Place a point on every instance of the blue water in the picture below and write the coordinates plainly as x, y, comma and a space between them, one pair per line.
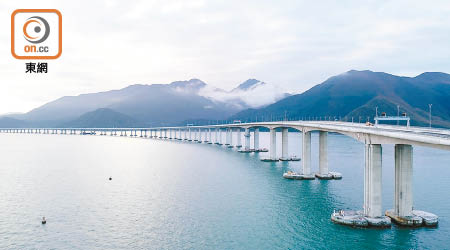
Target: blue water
177, 195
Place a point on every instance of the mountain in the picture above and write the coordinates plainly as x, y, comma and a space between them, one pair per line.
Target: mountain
250, 94
249, 84
153, 105
357, 93
8, 122
102, 118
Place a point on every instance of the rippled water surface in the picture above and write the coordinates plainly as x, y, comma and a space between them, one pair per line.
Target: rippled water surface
176, 195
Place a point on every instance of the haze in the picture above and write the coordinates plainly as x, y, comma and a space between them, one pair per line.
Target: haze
293, 44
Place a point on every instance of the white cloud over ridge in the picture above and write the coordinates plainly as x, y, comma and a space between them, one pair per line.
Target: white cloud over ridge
294, 44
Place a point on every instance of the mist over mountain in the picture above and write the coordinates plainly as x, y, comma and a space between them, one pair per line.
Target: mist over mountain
357, 93
249, 94
353, 94
149, 105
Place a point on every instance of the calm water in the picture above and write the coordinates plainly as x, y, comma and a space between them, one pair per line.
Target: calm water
175, 195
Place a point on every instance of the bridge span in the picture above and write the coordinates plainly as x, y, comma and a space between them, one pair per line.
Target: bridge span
373, 136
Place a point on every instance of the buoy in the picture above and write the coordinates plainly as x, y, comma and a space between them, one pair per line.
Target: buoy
110, 178
43, 220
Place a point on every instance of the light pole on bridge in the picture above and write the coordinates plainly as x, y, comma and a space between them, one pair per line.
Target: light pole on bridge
429, 105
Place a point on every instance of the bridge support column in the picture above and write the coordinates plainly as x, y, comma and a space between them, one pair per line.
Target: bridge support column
227, 137
190, 134
323, 159
256, 139
247, 140
306, 156
372, 180
220, 137
273, 145
238, 138
371, 214
215, 136
403, 212
284, 144
209, 141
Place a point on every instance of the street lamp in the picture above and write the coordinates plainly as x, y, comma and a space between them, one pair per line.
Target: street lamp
429, 105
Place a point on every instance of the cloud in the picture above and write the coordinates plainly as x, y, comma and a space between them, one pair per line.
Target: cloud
259, 95
293, 44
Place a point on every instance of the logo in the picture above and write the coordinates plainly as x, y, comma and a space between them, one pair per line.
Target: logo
36, 34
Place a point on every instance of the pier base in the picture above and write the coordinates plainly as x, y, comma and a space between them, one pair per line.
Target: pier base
260, 150
358, 219
292, 158
269, 160
302, 177
417, 218
329, 176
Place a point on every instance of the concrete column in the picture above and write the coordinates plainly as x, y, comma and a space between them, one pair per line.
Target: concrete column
247, 139
220, 136
372, 180
323, 152
403, 199
231, 137
273, 144
165, 133
238, 138
306, 153
256, 138
284, 143
215, 135
170, 133
200, 135
227, 136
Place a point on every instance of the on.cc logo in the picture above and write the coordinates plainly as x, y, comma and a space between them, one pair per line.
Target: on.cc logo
36, 29
36, 34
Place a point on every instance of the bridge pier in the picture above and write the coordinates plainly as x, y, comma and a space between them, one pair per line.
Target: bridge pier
306, 156
247, 140
324, 173
372, 180
284, 144
220, 137
216, 132
200, 135
238, 138
230, 138
227, 136
256, 140
372, 209
403, 213
272, 146
209, 141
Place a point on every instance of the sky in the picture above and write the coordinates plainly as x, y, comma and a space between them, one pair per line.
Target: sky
292, 44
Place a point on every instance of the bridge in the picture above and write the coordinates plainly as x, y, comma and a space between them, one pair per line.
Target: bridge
373, 136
